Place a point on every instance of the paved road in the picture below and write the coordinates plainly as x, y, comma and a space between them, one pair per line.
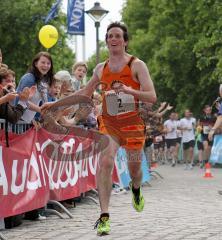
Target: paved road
182, 206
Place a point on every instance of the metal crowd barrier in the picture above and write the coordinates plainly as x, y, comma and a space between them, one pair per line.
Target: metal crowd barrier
2, 237
19, 128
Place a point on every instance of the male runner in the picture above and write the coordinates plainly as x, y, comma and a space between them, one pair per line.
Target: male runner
125, 81
206, 122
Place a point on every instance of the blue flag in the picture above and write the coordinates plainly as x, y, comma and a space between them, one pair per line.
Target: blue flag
76, 17
53, 11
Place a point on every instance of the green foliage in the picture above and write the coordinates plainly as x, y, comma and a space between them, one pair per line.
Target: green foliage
21, 21
181, 43
92, 60
136, 14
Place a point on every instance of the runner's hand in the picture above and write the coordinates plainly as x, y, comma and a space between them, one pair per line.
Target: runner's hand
119, 87
82, 113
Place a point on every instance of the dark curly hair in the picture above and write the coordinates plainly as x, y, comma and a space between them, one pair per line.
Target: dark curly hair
122, 27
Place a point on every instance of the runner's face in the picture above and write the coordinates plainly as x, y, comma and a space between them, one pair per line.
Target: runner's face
187, 114
115, 40
172, 116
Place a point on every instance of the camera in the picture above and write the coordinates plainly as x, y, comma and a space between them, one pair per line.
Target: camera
8, 89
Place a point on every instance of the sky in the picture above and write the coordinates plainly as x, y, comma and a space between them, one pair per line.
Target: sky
114, 7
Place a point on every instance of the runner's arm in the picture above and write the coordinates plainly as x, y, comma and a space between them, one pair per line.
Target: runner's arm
83, 95
147, 91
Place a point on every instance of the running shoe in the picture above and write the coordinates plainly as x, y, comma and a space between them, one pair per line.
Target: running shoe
138, 200
103, 226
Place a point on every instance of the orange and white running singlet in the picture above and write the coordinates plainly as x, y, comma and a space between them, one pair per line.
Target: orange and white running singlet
120, 116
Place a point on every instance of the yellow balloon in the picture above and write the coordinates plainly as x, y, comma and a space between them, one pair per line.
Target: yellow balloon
48, 36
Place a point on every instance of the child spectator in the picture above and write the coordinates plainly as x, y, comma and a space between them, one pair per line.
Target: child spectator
65, 80
11, 77
79, 71
54, 91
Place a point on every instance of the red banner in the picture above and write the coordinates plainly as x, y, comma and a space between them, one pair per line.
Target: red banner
39, 166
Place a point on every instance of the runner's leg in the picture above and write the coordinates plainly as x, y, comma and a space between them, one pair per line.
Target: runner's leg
104, 174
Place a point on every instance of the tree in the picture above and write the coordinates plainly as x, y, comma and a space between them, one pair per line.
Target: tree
181, 45
20, 24
92, 60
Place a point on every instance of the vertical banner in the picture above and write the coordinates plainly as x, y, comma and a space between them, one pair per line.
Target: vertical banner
76, 17
216, 151
122, 168
53, 11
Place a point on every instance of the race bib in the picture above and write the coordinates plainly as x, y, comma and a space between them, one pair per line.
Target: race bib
206, 129
119, 103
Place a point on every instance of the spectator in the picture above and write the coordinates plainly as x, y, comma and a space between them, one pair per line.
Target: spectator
79, 71
11, 77
40, 74
7, 111
52, 95
65, 80
218, 124
54, 91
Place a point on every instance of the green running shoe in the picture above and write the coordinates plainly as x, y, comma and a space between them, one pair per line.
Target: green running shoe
103, 226
138, 201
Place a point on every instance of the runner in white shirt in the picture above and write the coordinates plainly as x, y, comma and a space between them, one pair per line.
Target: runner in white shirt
179, 137
188, 125
171, 137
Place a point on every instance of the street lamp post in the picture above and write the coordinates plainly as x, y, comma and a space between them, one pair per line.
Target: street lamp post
97, 13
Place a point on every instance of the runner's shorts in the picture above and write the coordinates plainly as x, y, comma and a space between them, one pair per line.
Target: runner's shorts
130, 131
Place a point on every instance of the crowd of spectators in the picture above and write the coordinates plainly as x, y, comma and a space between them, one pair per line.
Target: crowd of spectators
38, 85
